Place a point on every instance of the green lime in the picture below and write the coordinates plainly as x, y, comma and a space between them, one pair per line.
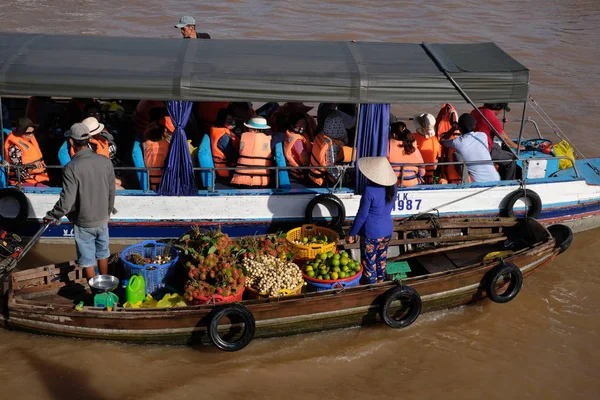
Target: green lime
343, 275
322, 256
311, 273
326, 277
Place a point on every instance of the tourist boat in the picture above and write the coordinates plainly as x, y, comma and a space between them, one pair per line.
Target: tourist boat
452, 262
371, 75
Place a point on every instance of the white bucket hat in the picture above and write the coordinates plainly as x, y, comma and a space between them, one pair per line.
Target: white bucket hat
257, 123
378, 170
425, 125
93, 125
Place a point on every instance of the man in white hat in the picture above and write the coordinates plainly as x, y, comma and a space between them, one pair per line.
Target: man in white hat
187, 25
255, 151
87, 199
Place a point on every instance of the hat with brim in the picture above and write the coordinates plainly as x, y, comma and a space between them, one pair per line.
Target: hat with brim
24, 124
185, 21
93, 125
505, 107
78, 131
378, 170
257, 123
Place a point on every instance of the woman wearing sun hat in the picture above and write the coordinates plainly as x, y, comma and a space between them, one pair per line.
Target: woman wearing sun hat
255, 151
373, 221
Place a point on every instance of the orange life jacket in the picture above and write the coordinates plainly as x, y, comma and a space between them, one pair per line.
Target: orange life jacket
141, 115
30, 153
446, 119
288, 146
255, 151
155, 155
452, 172
318, 158
431, 150
412, 173
219, 158
98, 145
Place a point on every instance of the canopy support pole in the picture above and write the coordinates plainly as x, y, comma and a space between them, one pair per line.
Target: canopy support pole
521, 129
465, 96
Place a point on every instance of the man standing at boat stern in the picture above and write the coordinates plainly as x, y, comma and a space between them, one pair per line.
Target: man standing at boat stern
87, 199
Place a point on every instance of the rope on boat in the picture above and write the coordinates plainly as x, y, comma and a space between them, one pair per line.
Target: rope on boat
558, 132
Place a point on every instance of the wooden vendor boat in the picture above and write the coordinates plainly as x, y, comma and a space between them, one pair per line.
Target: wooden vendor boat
452, 262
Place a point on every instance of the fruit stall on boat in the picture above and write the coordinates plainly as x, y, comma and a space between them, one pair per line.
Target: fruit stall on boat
371, 75
209, 287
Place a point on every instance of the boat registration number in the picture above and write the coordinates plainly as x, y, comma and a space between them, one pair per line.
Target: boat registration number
403, 203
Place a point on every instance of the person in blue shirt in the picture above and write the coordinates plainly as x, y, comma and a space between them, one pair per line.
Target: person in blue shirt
373, 221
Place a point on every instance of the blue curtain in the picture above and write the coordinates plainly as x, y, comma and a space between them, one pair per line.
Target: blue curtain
373, 132
178, 174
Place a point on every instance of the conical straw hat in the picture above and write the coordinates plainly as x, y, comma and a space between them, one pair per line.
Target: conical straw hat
378, 170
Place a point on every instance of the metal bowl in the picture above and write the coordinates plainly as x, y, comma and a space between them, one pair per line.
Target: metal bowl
104, 283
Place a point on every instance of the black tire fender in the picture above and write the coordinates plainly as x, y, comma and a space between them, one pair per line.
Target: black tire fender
403, 293
232, 310
563, 235
323, 198
533, 211
10, 223
514, 284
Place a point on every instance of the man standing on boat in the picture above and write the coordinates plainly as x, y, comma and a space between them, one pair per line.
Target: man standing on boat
187, 25
508, 170
87, 199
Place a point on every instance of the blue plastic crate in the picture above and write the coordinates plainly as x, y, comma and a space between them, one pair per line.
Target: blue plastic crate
156, 276
320, 286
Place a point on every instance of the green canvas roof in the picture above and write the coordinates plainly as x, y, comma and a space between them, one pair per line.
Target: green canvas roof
256, 70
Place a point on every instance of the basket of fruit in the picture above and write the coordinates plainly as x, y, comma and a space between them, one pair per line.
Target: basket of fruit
332, 271
270, 276
310, 240
154, 261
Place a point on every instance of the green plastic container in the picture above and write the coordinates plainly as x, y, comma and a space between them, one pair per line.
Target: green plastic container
136, 289
106, 299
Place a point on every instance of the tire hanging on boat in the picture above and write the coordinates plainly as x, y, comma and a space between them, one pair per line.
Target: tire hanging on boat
336, 221
563, 236
10, 223
515, 282
533, 210
232, 310
405, 294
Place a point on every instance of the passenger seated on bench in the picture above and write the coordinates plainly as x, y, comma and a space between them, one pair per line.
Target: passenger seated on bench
286, 111
224, 144
242, 112
428, 143
142, 116
21, 149
472, 146
255, 151
403, 149
297, 147
156, 149
329, 150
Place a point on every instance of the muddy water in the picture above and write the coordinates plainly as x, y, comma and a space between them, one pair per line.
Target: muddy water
544, 344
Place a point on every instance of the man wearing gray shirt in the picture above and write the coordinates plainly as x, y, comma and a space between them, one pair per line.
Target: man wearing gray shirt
87, 199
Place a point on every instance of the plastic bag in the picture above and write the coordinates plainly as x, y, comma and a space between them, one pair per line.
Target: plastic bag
564, 149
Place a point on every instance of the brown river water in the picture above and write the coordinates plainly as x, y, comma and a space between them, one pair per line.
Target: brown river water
543, 345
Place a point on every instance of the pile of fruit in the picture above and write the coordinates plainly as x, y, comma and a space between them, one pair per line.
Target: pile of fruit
272, 275
332, 266
137, 259
308, 240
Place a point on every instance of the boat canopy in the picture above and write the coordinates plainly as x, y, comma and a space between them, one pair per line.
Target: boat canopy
256, 70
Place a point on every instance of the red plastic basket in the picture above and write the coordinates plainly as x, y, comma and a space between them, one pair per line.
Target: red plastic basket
217, 298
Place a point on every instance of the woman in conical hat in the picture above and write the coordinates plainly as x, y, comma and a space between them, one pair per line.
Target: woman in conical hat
373, 221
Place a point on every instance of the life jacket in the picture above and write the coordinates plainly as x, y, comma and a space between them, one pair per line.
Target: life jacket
318, 158
141, 115
30, 153
288, 146
431, 150
219, 158
412, 174
98, 145
155, 154
446, 119
255, 151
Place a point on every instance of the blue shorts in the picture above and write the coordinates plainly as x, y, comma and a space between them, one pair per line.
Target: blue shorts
91, 245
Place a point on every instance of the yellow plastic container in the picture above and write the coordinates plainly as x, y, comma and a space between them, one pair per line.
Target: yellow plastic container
309, 251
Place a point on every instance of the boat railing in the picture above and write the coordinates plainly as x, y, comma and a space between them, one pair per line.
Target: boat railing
342, 169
